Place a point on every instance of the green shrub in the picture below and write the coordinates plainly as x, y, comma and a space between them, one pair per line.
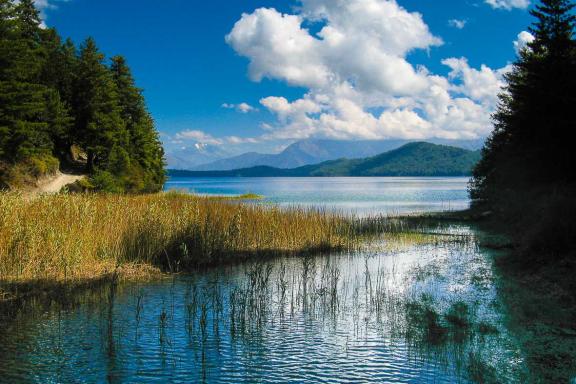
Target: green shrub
104, 181
42, 165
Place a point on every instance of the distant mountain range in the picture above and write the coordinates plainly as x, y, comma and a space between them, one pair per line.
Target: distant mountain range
196, 155
306, 152
413, 159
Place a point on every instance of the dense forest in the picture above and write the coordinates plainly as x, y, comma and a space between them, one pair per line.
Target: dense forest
63, 106
413, 159
526, 178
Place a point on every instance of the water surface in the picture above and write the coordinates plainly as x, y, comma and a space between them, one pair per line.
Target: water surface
359, 195
362, 317
413, 308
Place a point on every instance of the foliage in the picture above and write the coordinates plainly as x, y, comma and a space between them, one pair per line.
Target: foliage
54, 97
527, 167
530, 146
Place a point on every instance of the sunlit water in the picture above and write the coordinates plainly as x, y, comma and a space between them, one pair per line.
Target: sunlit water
331, 318
379, 315
359, 195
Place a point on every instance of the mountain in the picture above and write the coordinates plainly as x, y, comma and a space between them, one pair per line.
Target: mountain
413, 159
314, 151
198, 154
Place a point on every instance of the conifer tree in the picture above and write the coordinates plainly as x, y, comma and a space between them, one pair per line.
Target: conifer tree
145, 147
6, 35
99, 125
531, 146
29, 21
22, 98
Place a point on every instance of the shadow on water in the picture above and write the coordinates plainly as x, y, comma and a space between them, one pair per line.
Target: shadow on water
419, 308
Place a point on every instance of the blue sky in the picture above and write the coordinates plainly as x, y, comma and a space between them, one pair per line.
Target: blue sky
345, 69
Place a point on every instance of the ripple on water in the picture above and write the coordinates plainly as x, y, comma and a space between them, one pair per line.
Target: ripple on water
321, 327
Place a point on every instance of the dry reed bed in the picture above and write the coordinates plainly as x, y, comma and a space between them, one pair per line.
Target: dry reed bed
68, 237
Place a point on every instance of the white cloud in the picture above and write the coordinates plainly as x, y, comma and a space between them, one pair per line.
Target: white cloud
458, 24
286, 110
360, 83
508, 4
524, 38
203, 138
278, 48
197, 136
482, 85
245, 108
242, 107
241, 140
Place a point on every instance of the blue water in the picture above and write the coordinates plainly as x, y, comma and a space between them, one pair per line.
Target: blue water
360, 195
325, 319
340, 318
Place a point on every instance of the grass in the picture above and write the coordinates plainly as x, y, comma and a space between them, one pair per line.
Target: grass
67, 237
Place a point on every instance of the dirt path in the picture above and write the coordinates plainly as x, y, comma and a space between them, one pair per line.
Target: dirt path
55, 184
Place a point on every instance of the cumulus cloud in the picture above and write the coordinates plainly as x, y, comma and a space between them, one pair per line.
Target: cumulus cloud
242, 107
521, 43
278, 47
482, 84
458, 24
359, 80
508, 4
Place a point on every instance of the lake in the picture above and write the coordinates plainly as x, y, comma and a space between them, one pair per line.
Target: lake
358, 195
377, 316
405, 308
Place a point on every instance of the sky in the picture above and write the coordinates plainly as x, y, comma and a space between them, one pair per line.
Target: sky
260, 74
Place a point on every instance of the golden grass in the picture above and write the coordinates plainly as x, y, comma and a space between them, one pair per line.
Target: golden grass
67, 237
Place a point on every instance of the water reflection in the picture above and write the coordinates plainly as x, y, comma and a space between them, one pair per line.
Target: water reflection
410, 311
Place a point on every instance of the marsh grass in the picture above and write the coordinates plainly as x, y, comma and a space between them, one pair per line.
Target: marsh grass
67, 237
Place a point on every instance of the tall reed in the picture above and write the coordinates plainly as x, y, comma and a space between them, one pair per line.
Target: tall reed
81, 236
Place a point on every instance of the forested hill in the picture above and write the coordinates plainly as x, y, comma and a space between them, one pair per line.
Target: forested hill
414, 159
67, 106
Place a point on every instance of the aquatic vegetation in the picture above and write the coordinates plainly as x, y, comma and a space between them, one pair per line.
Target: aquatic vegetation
66, 237
224, 321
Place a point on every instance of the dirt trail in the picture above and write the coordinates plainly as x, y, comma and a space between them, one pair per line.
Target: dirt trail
55, 184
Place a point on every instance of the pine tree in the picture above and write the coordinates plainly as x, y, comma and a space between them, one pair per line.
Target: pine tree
29, 21
99, 125
145, 148
531, 146
58, 74
60, 123
6, 35
22, 98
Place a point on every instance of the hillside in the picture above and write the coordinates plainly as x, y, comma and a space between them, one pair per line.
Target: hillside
304, 152
414, 159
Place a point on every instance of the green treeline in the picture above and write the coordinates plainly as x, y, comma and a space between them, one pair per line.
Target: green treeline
527, 175
64, 106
